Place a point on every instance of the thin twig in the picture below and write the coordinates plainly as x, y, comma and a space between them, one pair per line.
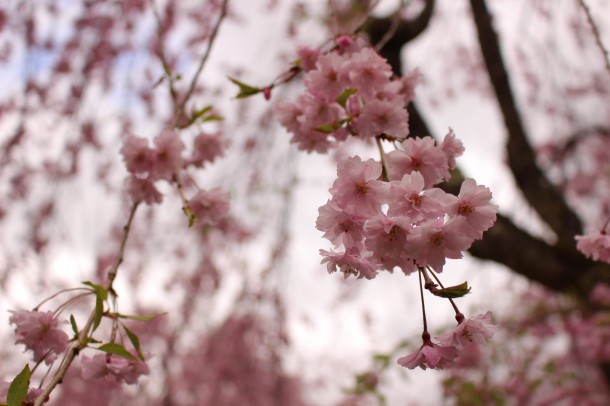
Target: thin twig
596, 34
191, 89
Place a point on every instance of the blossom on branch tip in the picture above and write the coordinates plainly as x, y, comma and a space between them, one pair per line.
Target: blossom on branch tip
475, 330
430, 355
40, 333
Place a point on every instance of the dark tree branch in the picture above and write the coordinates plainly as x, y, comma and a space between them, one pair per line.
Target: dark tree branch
403, 33
540, 193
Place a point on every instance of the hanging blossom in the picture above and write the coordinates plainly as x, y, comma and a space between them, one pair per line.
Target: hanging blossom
40, 333
430, 355
464, 340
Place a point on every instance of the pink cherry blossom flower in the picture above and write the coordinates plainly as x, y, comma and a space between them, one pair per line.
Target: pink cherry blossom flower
422, 155
473, 205
357, 188
143, 190
408, 84
288, 115
476, 330
206, 148
113, 369
40, 333
328, 80
339, 226
168, 154
386, 238
595, 245
382, 117
210, 207
430, 355
138, 156
432, 242
308, 57
367, 71
408, 198
452, 147
350, 262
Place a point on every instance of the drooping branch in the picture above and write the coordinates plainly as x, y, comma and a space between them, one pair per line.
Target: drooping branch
540, 193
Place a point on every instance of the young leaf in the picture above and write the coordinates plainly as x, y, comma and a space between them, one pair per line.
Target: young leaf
244, 89
135, 341
145, 317
99, 290
18, 390
73, 324
342, 99
99, 313
453, 292
116, 349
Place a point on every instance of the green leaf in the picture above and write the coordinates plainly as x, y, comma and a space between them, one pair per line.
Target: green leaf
330, 127
116, 349
98, 289
453, 292
198, 113
244, 89
18, 389
342, 99
73, 324
212, 117
145, 317
135, 341
99, 313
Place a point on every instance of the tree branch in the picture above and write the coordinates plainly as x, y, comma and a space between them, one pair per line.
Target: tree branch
540, 193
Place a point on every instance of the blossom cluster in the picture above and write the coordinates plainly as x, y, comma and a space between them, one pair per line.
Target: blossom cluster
348, 91
403, 221
468, 335
164, 161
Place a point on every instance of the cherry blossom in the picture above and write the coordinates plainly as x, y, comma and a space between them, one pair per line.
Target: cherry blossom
473, 204
422, 155
430, 355
595, 245
350, 262
112, 368
40, 333
475, 330
210, 207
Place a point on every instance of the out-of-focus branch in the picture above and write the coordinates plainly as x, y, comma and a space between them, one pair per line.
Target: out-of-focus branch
540, 193
404, 32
